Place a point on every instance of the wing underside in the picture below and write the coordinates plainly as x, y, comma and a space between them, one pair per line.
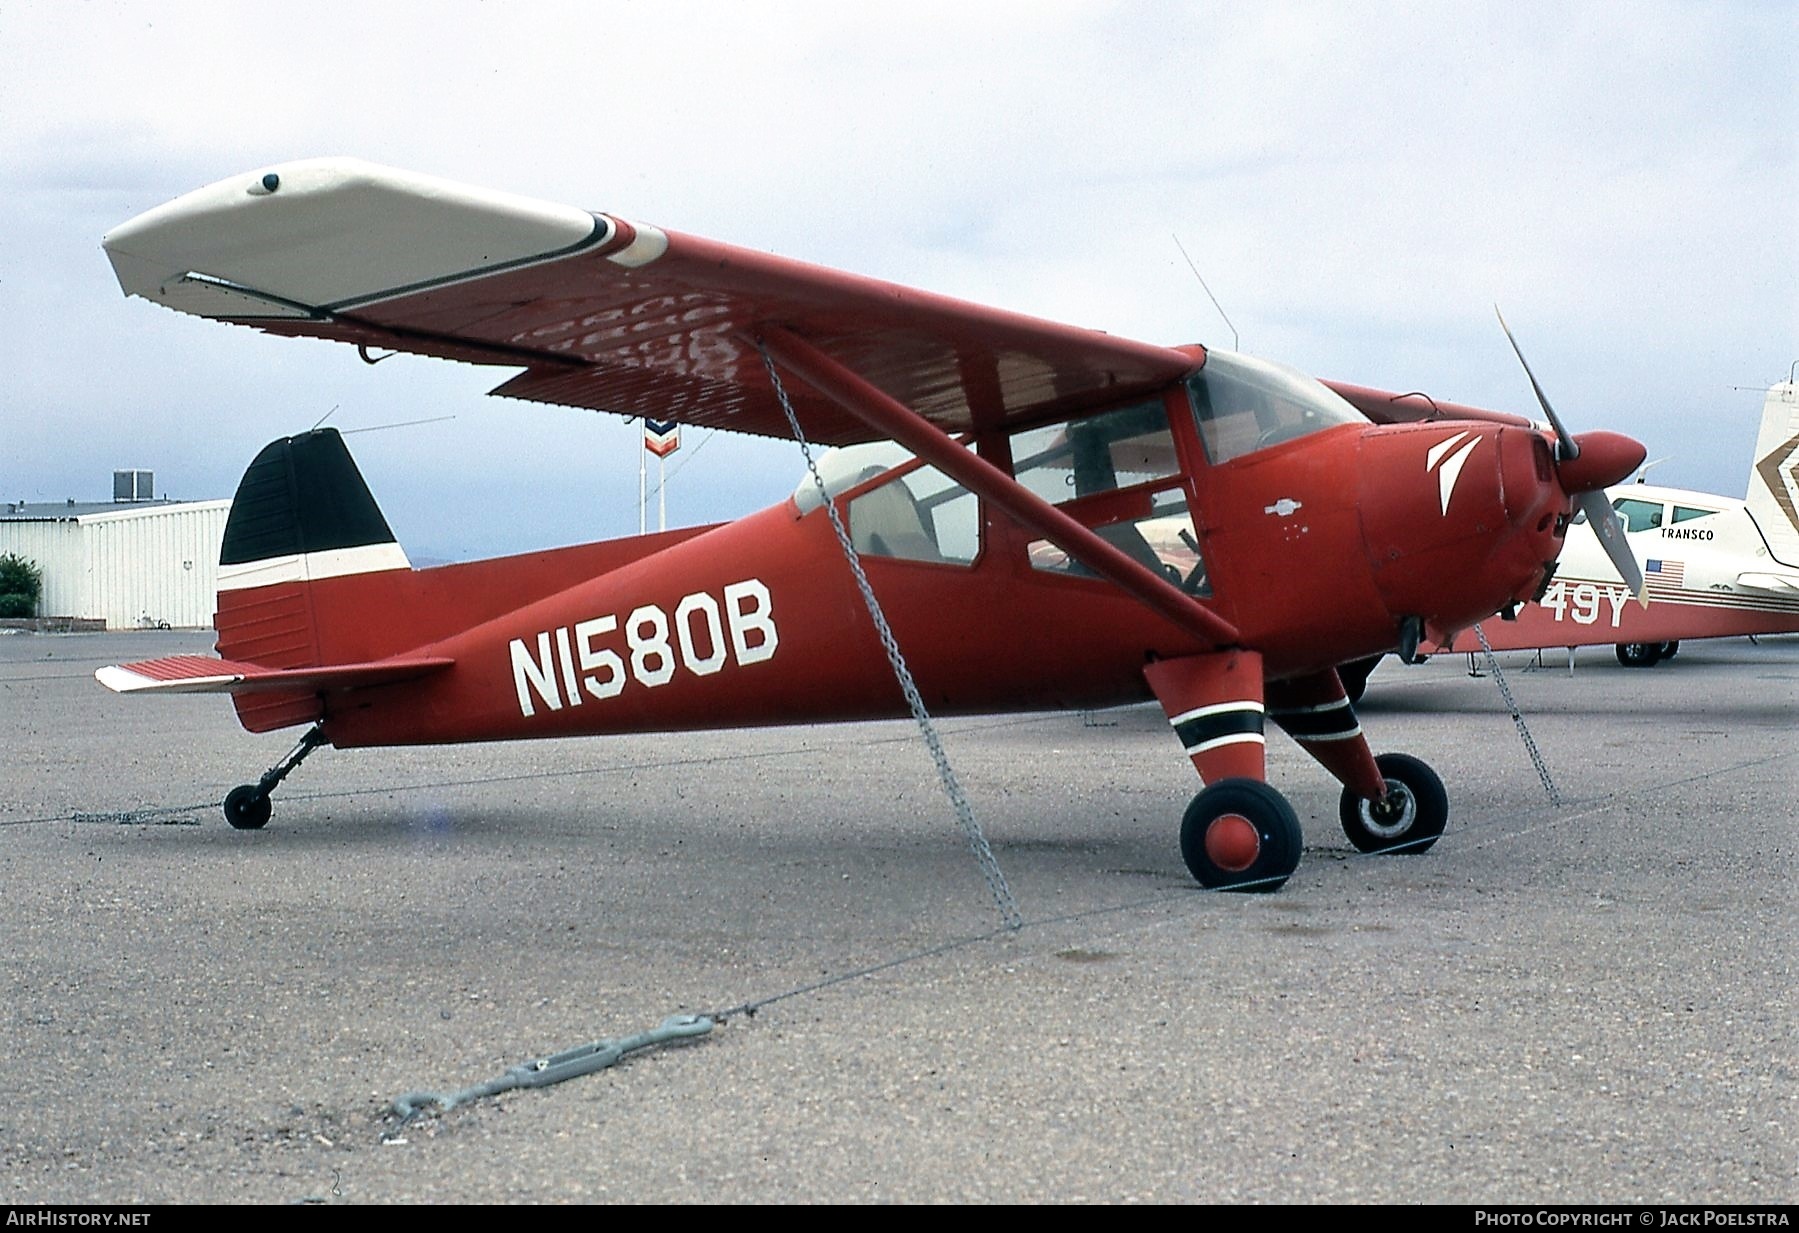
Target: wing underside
599, 312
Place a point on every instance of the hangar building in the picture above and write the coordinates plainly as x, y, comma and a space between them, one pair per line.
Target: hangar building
133, 563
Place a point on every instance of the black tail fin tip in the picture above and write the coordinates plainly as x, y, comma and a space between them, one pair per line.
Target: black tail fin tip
302, 494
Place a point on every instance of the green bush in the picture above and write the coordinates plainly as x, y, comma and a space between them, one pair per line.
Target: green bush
21, 583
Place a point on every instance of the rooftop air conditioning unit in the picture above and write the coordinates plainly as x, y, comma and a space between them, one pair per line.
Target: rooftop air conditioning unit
133, 485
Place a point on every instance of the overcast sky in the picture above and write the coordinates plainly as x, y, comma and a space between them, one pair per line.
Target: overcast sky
1359, 184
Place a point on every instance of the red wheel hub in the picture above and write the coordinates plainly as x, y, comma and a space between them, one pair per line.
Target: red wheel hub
1232, 842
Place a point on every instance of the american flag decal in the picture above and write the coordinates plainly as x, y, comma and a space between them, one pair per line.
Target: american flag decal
1665, 573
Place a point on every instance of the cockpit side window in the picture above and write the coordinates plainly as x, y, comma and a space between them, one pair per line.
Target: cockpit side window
1097, 453
1121, 475
1243, 405
1638, 514
1162, 539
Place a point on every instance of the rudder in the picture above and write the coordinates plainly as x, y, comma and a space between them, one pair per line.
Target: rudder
302, 515
1774, 474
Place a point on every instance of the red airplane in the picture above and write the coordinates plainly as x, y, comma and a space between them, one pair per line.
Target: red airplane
1005, 481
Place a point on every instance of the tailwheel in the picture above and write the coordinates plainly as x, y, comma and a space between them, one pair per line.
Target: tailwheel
1409, 820
247, 807
1240, 834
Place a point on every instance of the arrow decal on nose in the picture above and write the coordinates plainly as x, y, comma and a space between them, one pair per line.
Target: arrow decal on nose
1452, 469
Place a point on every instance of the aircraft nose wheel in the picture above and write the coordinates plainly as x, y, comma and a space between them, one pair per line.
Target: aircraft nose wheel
1409, 820
1240, 834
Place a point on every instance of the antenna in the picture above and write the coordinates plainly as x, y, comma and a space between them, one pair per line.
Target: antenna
1644, 470
438, 419
1235, 346
327, 415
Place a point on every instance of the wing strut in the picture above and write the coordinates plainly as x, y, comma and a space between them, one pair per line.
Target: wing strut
893, 420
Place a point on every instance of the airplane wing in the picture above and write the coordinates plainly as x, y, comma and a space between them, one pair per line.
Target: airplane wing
203, 674
600, 312
1784, 585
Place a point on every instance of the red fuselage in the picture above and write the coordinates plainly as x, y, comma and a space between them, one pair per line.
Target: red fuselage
1316, 550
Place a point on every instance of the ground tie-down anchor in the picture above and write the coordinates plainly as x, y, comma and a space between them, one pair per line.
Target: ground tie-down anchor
247, 806
543, 1071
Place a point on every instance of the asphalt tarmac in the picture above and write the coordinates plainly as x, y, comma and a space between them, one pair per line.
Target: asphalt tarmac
1585, 1004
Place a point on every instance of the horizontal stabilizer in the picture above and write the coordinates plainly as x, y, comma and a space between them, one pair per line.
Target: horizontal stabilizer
203, 674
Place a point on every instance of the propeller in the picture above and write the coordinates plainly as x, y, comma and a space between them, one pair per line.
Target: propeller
1586, 483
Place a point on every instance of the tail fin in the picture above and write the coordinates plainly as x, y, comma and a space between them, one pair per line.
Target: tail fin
1774, 475
303, 527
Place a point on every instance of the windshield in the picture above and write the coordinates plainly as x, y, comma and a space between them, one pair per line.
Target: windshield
1245, 404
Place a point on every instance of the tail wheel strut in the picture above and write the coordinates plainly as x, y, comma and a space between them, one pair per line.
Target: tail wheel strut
247, 807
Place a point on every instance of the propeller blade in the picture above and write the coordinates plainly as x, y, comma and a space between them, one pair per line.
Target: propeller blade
1610, 529
1569, 450
1600, 515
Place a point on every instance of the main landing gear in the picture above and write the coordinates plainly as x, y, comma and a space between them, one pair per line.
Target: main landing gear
247, 806
1241, 834
1645, 654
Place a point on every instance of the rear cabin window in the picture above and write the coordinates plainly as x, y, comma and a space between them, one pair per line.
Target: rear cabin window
915, 514
1686, 513
922, 515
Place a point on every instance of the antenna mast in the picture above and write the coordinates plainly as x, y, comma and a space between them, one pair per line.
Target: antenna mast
1235, 346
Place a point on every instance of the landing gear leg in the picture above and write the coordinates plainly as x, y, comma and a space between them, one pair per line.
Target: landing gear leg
1393, 803
247, 806
1239, 834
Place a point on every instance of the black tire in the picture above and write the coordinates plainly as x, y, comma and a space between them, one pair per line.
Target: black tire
1639, 654
1418, 812
1242, 835
247, 807
1355, 674
1669, 650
